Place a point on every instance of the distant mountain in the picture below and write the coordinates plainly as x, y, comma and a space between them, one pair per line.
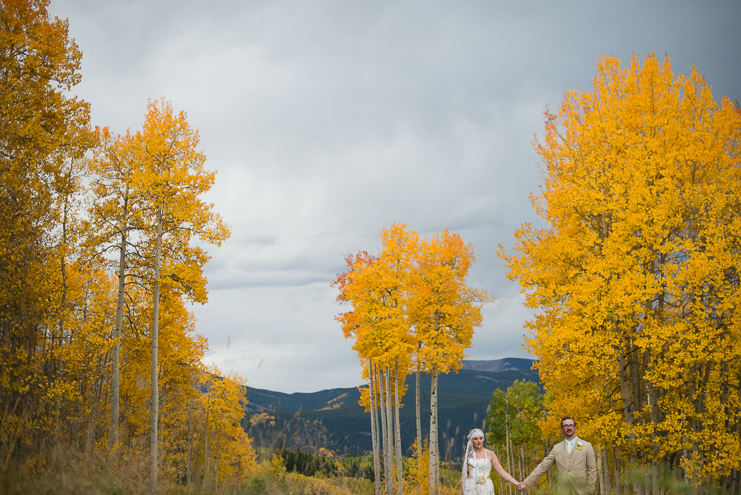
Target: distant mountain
496, 365
333, 419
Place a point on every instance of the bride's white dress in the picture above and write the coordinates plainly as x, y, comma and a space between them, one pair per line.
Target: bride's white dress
482, 484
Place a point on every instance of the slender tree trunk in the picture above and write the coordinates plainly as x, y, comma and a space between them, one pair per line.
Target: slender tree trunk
625, 385
600, 472
617, 471
115, 380
397, 432
155, 337
419, 418
637, 484
218, 453
196, 460
508, 440
434, 454
545, 453
521, 456
606, 469
647, 480
206, 456
383, 438
374, 429
90, 441
389, 434
188, 474
57, 360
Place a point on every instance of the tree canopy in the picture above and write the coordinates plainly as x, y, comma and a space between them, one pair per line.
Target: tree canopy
635, 277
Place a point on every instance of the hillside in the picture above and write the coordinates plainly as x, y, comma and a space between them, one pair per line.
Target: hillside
332, 419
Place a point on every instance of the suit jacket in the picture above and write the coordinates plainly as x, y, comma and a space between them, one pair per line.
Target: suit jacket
577, 471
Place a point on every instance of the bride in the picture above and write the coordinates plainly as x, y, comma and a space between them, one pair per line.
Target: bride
477, 465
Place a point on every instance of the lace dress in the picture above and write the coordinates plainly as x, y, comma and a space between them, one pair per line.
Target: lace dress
482, 484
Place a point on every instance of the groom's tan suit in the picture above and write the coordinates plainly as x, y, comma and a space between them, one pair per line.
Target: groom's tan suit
577, 471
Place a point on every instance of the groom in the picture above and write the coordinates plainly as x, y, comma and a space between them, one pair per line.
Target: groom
577, 472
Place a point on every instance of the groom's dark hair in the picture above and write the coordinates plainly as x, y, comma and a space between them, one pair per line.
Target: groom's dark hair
565, 418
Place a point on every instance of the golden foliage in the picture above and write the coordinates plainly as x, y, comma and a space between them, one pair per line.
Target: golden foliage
70, 223
419, 470
636, 275
412, 310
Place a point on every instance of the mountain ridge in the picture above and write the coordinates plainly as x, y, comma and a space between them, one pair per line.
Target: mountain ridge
270, 400
333, 420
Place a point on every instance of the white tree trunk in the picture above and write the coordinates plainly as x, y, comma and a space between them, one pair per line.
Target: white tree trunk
218, 452
389, 435
434, 454
397, 435
374, 428
189, 476
419, 419
508, 439
382, 410
206, 455
116, 379
617, 471
155, 336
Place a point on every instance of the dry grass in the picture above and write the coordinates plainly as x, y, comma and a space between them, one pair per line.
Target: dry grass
70, 474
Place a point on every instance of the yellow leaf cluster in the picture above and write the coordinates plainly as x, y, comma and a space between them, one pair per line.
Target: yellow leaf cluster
90, 223
411, 301
635, 278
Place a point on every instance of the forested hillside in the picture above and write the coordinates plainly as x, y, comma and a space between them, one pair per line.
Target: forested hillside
333, 420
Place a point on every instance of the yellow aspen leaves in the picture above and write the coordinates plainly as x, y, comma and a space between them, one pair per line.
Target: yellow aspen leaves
412, 310
97, 257
635, 276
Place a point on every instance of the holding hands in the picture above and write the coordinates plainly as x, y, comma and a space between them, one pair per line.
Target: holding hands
522, 486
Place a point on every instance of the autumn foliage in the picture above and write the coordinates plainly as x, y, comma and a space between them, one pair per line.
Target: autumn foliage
97, 264
635, 277
412, 312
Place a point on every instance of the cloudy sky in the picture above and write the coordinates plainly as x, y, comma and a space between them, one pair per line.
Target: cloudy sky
328, 120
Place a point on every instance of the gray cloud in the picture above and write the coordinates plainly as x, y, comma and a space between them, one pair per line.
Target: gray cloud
329, 120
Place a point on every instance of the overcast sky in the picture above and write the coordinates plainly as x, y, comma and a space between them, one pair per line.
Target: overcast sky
329, 120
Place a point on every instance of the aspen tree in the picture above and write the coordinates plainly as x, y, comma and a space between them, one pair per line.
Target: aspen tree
374, 426
389, 431
115, 215
174, 178
384, 436
513, 422
417, 412
369, 400
389, 283
444, 313
41, 131
357, 324
409, 306
397, 432
635, 274
377, 287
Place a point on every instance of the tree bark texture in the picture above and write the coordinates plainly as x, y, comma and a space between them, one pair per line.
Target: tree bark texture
374, 429
389, 434
116, 379
434, 454
419, 418
154, 416
397, 435
382, 410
